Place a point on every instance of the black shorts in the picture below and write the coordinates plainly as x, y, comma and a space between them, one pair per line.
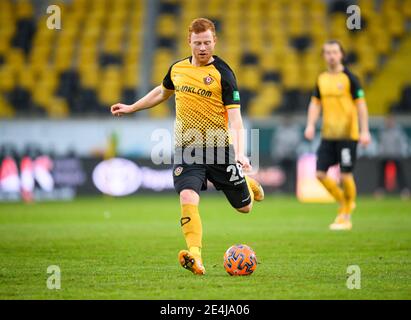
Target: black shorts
226, 176
331, 152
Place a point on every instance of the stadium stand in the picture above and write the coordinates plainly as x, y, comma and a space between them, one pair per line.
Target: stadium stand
92, 62
273, 46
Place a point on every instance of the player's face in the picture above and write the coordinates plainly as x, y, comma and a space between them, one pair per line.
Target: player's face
332, 54
202, 46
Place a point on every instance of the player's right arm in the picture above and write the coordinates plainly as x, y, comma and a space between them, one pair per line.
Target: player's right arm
314, 111
151, 99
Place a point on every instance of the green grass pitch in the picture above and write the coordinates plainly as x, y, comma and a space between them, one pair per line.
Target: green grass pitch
127, 248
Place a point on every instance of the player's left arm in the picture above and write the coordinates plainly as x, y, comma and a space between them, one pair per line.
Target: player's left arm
237, 135
365, 136
357, 94
232, 103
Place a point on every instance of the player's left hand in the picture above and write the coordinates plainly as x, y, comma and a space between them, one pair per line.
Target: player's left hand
365, 138
245, 162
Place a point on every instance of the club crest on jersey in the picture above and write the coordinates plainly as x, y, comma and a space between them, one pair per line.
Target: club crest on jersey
208, 80
177, 171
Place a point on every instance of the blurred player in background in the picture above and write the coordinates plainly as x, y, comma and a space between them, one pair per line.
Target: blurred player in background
393, 149
340, 98
207, 101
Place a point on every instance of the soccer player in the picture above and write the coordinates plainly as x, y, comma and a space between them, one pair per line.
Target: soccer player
340, 98
208, 119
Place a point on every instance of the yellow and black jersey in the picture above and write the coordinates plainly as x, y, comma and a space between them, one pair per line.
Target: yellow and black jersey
338, 93
203, 95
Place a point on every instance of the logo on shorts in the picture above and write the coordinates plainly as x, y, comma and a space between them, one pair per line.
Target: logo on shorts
177, 171
208, 80
246, 199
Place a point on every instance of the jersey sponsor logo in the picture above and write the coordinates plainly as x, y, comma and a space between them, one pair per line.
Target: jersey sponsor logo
236, 96
177, 171
208, 80
199, 91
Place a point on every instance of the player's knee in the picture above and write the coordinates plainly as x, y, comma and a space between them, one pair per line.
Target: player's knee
189, 196
245, 209
321, 175
346, 175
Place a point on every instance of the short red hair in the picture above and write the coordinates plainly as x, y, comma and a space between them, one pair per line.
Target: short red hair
201, 25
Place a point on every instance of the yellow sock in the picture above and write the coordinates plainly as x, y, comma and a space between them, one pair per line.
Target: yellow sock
192, 228
333, 189
195, 251
350, 192
249, 182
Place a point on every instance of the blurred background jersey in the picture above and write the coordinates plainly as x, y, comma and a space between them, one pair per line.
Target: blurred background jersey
337, 93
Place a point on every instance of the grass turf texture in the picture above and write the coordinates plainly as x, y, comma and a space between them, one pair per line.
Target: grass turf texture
127, 249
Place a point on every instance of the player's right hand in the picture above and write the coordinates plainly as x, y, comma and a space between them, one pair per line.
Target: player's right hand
245, 162
309, 132
119, 109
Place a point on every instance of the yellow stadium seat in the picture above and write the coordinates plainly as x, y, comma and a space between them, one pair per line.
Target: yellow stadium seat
265, 28
249, 77
90, 76
6, 110
7, 29
396, 27
57, 107
358, 71
4, 46
271, 93
24, 9
291, 76
110, 85
308, 76
266, 101
166, 26
369, 60
48, 78
132, 56
131, 76
160, 111
269, 62
8, 78
42, 95
15, 58
406, 9
26, 78
63, 59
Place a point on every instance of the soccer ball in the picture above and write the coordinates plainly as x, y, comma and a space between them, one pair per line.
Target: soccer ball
240, 260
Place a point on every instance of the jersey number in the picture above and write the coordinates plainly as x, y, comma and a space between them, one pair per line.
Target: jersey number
236, 171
